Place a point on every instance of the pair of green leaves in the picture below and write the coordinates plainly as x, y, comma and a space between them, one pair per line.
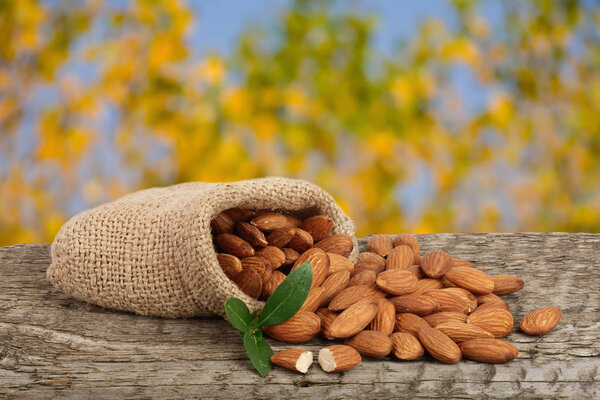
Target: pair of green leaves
282, 305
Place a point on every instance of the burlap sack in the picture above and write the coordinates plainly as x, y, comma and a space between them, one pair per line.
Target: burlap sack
151, 252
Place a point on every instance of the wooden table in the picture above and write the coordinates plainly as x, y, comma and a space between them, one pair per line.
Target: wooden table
55, 347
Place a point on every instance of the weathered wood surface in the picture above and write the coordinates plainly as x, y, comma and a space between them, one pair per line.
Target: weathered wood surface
55, 347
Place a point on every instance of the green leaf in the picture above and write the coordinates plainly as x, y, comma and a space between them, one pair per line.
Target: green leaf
258, 352
289, 296
238, 314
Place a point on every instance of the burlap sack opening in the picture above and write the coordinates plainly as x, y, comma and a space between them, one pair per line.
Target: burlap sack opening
151, 252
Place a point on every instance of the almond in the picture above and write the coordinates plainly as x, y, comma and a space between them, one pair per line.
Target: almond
222, 223
419, 304
448, 301
249, 282
319, 226
540, 321
445, 316
469, 297
280, 237
231, 265
488, 350
460, 331
385, 318
338, 358
339, 263
338, 244
497, 321
269, 221
251, 234
255, 264
370, 343
334, 284
302, 327
493, 304
319, 262
291, 256
416, 271
446, 282
370, 265
436, 263
363, 277
400, 257
485, 298
327, 317
380, 244
353, 294
439, 345
426, 285
275, 280
273, 255
234, 245
239, 214
297, 360
397, 281
354, 319
406, 346
462, 263
301, 241
471, 279
408, 323
372, 258
266, 276
505, 284
409, 240
313, 300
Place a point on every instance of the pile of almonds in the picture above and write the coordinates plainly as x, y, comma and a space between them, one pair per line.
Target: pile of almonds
391, 300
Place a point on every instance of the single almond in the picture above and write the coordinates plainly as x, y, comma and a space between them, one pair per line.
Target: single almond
497, 321
371, 258
408, 323
460, 331
327, 317
469, 297
313, 300
239, 214
234, 245
338, 358
269, 221
397, 281
419, 304
301, 241
319, 262
222, 223
255, 264
334, 284
339, 263
275, 280
291, 256
302, 327
369, 265
409, 240
471, 279
251, 234
445, 316
338, 244
428, 284
493, 304
488, 350
541, 321
370, 343
380, 244
505, 284
439, 345
274, 255
385, 318
400, 257
249, 282
297, 360
231, 265
280, 237
447, 301
266, 276
462, 263
364, 277
406, 346
417, 271
354, 319
436, 263
485, 298
319, 226
353, 294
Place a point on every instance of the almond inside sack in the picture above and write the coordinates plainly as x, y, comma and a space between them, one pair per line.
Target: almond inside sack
151, 252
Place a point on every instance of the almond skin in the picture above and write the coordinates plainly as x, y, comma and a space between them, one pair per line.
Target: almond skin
354, 319
338, 244
467, 296
363, 277
222, 223
313, 300
369, 265
275, 280
493, 304
400, 257
255, 264
334, 284
234, 245
301, 241
436, 263
319, 227
488, 350
447, 301
409, 240
408, 323
302, 327
497, 321
297, 360
239, 214
419, 304
319, 262
338, 358
280, 237
406, 346
385, 318
426, 285
269, 221
353, 294
370, 343
327, 317
471, 279
251, 234
445, 316
291, 256
485, 298
231, 265
505, 284
249, 282
541, 321
339, 263
397, 281
416, 271
380, 244
372, 258
274, 255
460, 331
439, 345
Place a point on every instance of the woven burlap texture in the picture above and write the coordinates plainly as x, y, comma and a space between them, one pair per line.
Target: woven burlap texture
151, 252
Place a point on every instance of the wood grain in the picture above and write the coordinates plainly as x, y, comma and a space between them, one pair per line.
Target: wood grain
55, 347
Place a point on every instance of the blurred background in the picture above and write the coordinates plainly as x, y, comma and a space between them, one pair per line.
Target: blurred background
428, 116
